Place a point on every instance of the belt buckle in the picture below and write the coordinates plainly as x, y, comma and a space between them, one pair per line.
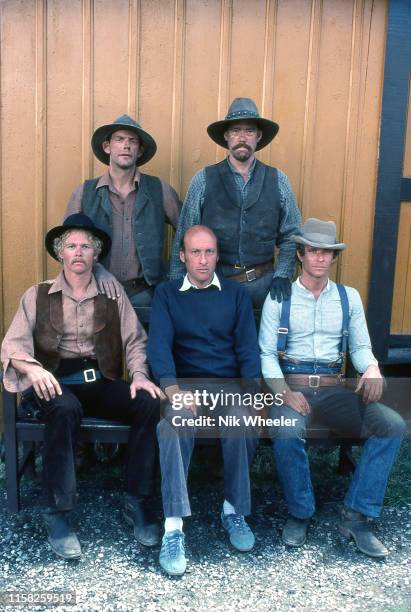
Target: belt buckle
314, 381
250, 275
90, 372
238, 266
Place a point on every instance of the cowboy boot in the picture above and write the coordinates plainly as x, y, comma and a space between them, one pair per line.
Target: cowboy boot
138, 514
62, 539
356, 525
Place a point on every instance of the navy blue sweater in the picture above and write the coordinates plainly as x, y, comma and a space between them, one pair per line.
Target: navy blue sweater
204, 333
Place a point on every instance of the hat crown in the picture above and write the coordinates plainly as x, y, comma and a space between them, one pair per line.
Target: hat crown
79, 219
319, 231
126, 120
243, 108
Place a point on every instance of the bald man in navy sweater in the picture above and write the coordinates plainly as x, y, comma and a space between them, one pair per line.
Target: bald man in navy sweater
203, 328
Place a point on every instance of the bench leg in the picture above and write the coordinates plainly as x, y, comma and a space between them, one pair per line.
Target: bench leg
346, 461
11, 452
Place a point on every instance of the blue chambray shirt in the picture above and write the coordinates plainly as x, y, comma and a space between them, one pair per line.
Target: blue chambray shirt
315, 329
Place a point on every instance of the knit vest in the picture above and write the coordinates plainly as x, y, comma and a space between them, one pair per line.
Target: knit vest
246, 232
49, 329
147, 221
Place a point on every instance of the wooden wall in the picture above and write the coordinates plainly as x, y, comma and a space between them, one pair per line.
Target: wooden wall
66, 67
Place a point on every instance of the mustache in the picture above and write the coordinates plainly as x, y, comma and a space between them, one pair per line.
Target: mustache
242, 145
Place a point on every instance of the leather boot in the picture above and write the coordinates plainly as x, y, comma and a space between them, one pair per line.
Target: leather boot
356, 525
295, 531
63, 541
138, 514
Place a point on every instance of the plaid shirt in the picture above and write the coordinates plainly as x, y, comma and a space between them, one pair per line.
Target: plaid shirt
290, 219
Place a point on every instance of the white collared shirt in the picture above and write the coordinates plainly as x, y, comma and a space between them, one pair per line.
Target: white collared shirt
187, 284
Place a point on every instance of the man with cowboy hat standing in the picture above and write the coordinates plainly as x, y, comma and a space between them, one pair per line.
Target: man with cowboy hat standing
303, 344
66, 341
250, 207
130, 206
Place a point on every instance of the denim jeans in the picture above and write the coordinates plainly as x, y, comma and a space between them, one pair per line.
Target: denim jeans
344, 412
176, 446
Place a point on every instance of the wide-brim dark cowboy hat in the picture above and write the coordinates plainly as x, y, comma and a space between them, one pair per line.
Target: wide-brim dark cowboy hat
319, 234
124, 122
78, 221
243, 109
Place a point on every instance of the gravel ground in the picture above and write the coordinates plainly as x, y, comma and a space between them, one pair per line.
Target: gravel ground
115, 573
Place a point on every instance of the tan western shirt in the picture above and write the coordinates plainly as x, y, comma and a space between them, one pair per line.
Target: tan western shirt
77, 340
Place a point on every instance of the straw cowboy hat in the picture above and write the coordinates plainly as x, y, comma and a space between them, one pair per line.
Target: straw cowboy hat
124, 122
243, 109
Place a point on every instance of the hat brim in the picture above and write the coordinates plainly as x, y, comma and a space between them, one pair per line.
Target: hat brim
58, 231
268, 128
339, 246
104, 132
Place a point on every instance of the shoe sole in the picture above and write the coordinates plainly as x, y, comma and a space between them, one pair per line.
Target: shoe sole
174, 574
293, 544
130, 521
348, 535
65, 557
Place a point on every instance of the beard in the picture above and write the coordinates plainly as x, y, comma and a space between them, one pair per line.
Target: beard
242, 152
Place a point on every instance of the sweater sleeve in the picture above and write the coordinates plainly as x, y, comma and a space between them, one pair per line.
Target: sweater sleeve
161, 339
245, 337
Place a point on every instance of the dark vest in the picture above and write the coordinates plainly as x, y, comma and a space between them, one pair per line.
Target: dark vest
246, 232
49, 330
148, 221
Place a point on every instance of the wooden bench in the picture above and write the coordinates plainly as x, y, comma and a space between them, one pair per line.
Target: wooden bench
27, 432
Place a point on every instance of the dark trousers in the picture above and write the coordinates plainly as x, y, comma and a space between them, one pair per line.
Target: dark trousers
103, 399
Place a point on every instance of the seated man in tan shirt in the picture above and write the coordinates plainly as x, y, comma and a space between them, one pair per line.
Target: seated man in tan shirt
131, 207
66, 341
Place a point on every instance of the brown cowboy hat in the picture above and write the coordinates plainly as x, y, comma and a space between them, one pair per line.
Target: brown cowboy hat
243, 109
124, 122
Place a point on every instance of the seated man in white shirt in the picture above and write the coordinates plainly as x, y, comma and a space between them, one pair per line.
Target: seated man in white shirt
303, 353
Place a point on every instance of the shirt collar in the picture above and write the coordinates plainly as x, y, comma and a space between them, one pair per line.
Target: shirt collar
60, 284
215, 281
105, 180
250, 170
301, 286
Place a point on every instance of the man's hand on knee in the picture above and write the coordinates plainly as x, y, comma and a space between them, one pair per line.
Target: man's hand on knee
371, 384
141, 382
45, 385
296, 401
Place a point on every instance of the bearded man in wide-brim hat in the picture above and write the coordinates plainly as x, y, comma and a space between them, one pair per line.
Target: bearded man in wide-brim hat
66, 344
249, 205
130, 206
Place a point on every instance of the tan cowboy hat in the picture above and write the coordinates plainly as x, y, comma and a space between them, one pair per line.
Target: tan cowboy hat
243, 109
319, 234
124, 122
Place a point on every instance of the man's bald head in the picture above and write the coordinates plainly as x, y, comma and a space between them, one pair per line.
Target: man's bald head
196, 230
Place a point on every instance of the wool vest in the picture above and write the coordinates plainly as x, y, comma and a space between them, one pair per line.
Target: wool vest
246, 231
49, 329
147, 221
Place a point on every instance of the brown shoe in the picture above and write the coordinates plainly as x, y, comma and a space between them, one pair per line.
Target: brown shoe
295, 531
355, 525
63, 541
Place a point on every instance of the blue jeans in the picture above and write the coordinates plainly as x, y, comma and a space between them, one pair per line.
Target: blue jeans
176, 445
344, 412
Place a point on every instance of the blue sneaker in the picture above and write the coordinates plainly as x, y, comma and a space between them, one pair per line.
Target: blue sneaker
241, 536
172, 553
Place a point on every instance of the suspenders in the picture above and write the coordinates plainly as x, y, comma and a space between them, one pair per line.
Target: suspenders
285, 324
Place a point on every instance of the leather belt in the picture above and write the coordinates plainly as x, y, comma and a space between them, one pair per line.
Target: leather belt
314, 381
251, 273
81, 377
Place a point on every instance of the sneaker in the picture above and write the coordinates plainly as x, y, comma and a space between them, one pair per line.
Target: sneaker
172, 553
241, 536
